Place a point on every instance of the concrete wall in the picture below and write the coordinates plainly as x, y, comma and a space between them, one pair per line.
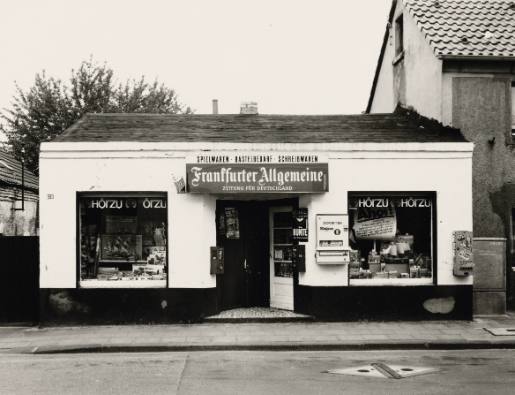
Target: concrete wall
481, 108
71, 168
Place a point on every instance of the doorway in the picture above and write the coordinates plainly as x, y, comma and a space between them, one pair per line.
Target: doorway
243, 229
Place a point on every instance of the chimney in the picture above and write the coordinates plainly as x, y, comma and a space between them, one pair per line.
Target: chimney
215, 106
249, 108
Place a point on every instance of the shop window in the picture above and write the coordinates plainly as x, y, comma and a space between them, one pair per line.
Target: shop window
123, 240
392, 238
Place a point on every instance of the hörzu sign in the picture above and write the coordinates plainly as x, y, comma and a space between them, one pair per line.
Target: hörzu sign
257, 174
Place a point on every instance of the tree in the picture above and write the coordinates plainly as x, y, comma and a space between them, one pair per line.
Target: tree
50, 106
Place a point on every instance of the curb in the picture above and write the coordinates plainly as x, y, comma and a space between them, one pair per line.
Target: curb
364, 346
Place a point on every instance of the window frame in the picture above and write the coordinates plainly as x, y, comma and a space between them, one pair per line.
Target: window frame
432, 195
512, 111
399, 38
124, 194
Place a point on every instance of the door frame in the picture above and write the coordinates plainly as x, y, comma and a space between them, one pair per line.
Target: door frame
271, 211
292, 202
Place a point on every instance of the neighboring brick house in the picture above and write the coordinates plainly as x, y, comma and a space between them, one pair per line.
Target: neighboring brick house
15, 221
454, 61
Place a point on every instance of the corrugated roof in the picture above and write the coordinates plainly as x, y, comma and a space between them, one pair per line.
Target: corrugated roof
466, 27
401, 126
10, 172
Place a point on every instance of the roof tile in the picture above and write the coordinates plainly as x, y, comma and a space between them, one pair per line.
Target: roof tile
11, 169
488, 25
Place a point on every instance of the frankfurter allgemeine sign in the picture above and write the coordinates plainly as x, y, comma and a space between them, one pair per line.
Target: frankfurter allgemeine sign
257, 177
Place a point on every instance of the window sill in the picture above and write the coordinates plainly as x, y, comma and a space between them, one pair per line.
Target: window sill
398, 58
123, 284
403, 282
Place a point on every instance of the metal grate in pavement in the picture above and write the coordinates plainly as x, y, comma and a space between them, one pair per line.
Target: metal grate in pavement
382, 370
501, 331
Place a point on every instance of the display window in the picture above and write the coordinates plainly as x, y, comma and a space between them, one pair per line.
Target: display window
123, 240
391, 236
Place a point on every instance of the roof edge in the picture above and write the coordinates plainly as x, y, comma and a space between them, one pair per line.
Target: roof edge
477, 57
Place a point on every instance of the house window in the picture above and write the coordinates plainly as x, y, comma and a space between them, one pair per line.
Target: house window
391, 236
123, 240
399, 35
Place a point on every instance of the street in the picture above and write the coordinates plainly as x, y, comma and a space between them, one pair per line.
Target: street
242, 372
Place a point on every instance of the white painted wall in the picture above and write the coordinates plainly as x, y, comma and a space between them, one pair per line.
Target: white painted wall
384, 101
66, 169
422, 72
190, 223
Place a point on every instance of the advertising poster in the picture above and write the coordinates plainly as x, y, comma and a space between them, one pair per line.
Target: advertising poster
120, 224
375, 223
232, 223
156, 255
463, 257
300, 224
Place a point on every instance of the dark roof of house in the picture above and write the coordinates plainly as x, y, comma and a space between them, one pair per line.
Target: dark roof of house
10, 172
460, 29
466, 27
401, 126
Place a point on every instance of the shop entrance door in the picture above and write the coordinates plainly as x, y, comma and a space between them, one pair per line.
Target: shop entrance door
281, 265
242, 230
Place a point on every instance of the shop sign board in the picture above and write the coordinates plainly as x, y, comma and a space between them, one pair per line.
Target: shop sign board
300, 224
244, 178
332, 231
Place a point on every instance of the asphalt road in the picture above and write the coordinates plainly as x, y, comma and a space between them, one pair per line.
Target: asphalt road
241, 372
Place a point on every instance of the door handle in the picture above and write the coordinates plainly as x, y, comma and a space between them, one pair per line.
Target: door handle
245, 264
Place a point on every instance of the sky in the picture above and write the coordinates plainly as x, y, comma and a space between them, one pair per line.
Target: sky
290, 56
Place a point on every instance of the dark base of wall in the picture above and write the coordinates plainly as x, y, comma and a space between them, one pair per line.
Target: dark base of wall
385, 303
146, 306
121, 306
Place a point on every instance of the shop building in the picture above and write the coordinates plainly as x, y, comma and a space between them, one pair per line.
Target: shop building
159, 218
454, 61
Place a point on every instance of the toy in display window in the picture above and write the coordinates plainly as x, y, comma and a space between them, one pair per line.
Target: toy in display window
390, 238
124, 240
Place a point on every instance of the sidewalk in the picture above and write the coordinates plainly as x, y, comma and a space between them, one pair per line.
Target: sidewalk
261, 336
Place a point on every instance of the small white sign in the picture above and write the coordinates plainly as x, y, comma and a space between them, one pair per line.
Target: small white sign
332, 232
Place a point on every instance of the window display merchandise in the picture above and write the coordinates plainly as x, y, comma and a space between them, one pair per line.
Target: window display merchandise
391, 236
123, 240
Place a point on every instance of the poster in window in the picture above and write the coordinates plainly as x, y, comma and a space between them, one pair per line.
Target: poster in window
118, 224
120, 247
375, 223
232, 223
156, 255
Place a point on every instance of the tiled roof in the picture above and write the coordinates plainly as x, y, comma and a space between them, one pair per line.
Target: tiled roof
402, 126
466, 27
10, 172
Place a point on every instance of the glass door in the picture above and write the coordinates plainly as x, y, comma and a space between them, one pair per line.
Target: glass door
281, 266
